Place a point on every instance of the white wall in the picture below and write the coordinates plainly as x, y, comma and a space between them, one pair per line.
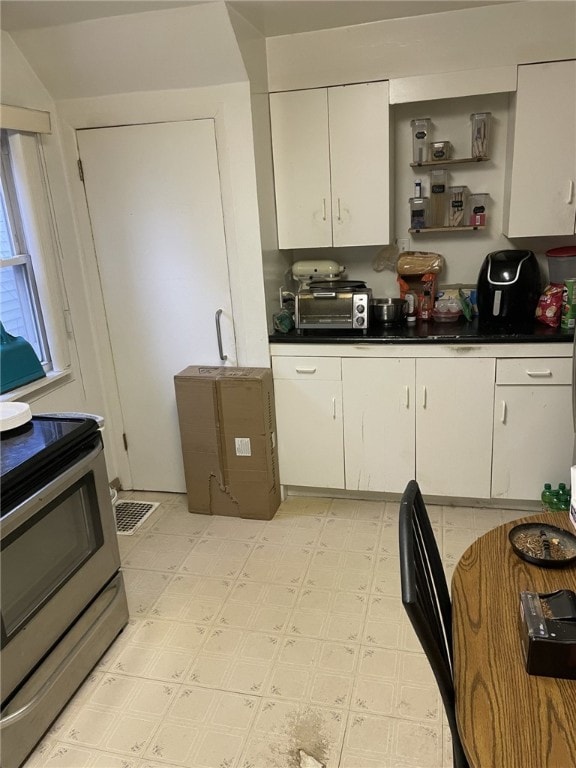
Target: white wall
85, 389
252, 46
490, 36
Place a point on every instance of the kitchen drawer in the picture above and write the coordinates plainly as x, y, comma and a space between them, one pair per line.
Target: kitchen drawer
307, 368
534, 370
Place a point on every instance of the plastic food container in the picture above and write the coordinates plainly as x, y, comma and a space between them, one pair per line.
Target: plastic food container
420, 138
480, 133
418, 212
438, 198
561, 263
439, 150
445, 316
457, 206
477, 205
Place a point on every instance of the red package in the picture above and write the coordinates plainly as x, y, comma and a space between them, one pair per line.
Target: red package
549, 309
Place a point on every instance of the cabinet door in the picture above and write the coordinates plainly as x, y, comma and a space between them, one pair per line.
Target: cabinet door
308, 394
543, 173
359, 159
299, 123
454, 413
379, 437
529, 452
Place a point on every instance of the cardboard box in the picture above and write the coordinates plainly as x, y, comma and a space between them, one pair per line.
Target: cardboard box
228, 434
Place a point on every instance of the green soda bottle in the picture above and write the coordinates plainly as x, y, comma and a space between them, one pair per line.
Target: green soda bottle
564, 497
546, 497
555, 504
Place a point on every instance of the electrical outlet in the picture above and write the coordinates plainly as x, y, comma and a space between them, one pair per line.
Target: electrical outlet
403, 244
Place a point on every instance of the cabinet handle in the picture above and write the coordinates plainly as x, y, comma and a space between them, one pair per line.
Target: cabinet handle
407, 396
503, 413
323, 209
570, 191
305, 370
339, 212
334, 408
540, 374
424, 396
219, 336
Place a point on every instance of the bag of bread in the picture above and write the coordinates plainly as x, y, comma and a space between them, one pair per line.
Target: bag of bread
419, 263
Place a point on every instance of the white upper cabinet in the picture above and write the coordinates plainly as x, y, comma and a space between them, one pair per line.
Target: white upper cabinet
542, 197
331, 166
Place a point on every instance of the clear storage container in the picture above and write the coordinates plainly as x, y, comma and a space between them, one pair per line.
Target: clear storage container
477, 206
561, 263
457, 206
437, 209
480, 133
439, 150
418, 212
420, 138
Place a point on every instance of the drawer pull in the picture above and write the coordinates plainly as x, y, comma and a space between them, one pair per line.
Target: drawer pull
407, 397
305, 370
424, 396
540, 374
503, 414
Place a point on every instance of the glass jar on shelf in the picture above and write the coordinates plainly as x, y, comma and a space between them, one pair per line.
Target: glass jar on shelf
480, 133
457, 206
478, 204
439, 150
438, 197
418, 212
420, 138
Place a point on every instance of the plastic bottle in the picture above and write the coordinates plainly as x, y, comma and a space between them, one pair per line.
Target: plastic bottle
555, 505
411, 301
546, 497
426, 306
564, 494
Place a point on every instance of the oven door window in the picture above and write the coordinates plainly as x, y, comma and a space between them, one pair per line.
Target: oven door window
39, 557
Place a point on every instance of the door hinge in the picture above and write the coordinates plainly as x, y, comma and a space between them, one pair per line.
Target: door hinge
68, 322
80, 170
125, 440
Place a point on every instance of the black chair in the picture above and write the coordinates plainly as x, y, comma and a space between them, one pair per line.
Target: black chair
426, 599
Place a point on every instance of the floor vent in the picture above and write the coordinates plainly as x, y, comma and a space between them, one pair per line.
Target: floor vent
131, 514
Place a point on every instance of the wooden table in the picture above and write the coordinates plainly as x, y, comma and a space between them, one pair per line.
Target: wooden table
506, 717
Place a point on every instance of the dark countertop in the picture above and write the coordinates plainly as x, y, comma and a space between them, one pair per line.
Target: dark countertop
427, 332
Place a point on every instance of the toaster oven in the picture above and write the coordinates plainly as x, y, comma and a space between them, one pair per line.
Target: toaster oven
338, 307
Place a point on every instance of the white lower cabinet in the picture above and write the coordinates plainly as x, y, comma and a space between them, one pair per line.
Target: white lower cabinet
429, 419
454, 407
464, 427
379, 431
308, 394
533, 432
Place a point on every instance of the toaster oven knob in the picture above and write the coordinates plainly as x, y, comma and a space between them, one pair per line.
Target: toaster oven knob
360, 308
359, 320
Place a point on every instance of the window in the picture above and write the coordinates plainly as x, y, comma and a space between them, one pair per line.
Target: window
20, 309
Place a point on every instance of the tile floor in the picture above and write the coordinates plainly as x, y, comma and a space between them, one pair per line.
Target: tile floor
250, 641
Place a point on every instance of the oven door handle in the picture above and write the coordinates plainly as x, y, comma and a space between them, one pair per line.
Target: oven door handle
10, 719
45, 495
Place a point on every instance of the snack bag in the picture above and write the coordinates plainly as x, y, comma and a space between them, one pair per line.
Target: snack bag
549, 309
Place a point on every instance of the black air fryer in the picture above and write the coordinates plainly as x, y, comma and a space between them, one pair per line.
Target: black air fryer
508, 290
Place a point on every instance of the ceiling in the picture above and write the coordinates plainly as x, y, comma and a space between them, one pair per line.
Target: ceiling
270, 17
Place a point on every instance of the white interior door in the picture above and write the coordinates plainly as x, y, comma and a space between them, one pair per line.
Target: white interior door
153, 194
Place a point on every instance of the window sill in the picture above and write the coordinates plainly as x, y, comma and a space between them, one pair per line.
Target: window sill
35, 389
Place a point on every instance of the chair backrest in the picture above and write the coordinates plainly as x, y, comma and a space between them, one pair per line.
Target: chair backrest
426, 600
